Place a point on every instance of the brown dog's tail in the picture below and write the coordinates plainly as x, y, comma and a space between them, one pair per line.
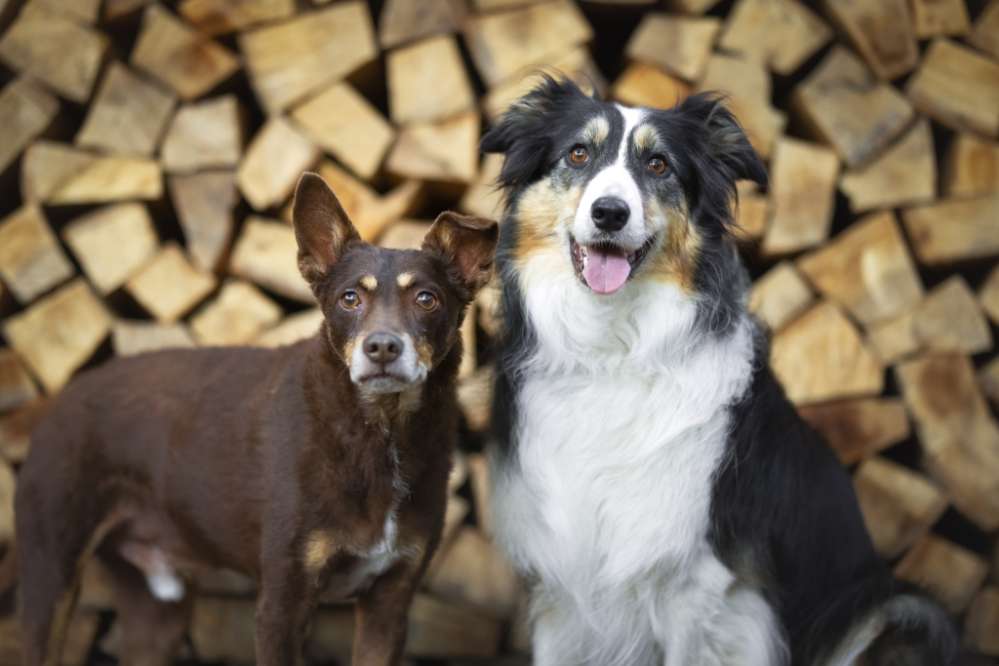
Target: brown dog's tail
8, 582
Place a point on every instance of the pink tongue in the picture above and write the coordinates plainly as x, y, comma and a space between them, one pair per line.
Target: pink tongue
605, 272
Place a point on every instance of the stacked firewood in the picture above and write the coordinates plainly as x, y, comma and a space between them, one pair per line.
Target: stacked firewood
148, 150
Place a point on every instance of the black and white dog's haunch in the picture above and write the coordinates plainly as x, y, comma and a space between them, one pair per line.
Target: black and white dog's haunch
652, 481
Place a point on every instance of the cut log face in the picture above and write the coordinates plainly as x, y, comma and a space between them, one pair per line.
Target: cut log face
218, 17
981, 626
274, 160
803, 196
679, 44
26, 110
403, 21
236, 316
81, 11
16, 386
828, 101
444, 152
880, 31
988, 379
127, 116
468, 344
957, 87
972, 167
947, 571
61, 53
266, 253
933, 18
483, 197
575, 65
504, 44
782, 34
293, 328
954, 230
405, 235
893, 340
475, 396
752, 214
471, 572
204, 203
780, 296
169, 286
346, 125
846, 369
57, 174
899, 506
59, 333
949, 319
222, 629
985, 34
112, 243
988, 295
31, 260
290, 60
116, 9
647, 85
858, 429
905, 174
16, 428
204, 135
957, 432
180, 58
437, 628
432, 64
867, 269
137, 337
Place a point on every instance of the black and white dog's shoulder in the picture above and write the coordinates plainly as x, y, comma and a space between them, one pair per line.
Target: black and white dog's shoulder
651, 479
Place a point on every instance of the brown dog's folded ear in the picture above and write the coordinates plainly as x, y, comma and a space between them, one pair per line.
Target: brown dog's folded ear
465, 242
322, 228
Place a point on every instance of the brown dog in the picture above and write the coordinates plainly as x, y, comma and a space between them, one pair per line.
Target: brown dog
316, 468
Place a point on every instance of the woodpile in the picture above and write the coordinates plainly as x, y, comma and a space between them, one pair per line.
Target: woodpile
148, 149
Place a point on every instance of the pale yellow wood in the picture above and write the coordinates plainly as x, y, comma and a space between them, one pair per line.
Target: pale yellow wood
475, 397
57, 174
857, 429
235, 316
985, 33
405, 235
204, 135
473, 573
112, 243
433, 64
893, 340
218, 17
971, 167
288, 61
292, 329
981, 624
782, 34
204, 203
446, 151
685, 6
8, 486
957, 86
647, 85
949, 319
404, 21
168, 286
266, 253
904, 174
116, 9
880, 31
16, 386
988, 295
752, 212
273, 162
933, 18
130, 337
954, 229
180, 58
679, 44
779, 296
988, 379
26, 110
31, 260
469, 356
59, 333
483, 197
81, 11
575, 65
950, 573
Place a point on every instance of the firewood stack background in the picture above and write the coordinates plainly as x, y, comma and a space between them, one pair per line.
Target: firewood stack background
148, 151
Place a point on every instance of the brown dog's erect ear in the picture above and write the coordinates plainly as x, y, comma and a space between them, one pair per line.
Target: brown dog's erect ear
322, 228
466, 243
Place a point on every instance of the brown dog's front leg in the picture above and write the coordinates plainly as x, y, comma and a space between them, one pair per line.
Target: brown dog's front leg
382, 612
284, 605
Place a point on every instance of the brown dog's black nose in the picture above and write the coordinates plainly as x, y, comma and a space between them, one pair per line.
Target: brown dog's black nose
382, 347
610, 213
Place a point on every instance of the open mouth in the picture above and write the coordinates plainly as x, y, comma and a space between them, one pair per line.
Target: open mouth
604, 267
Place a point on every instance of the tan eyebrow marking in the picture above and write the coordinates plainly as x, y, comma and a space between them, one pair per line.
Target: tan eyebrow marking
404, 280
596, 130
369, 282
646, 138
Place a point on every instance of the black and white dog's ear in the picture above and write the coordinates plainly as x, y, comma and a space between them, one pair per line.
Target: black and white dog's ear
727, 146
524, 132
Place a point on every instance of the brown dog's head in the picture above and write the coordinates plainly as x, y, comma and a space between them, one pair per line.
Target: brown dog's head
391, 315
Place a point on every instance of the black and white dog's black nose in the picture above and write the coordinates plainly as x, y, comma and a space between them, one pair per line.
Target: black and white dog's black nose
610, 213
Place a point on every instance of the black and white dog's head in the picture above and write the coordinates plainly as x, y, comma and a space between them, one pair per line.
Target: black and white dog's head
614, 198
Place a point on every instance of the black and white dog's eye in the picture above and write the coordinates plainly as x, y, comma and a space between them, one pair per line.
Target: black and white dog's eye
657, 165
579, 155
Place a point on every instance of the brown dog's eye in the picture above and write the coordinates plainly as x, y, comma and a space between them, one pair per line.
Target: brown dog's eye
350, 300
426, 300
579, 155
657, 165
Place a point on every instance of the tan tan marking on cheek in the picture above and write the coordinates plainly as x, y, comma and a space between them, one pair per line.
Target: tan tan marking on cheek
596, 130
676, 260
369, 282
424, 352
538, 214
404, 280
646, 138
319, 548
348, 351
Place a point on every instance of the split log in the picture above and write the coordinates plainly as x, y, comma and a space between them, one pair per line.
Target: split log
179, 57
483, 197
957, 432
480, 475
16, 428
168, 286
684, 6
204, 203
468, 344
222, 629
489, 308
505, 43
752, 214
59, 333
438, 629
31, 260
782, 34
827, 102
219, 17
679, 44
127, 115
8, 484
954, 229
988, 379
949, 319
647, 85
112, 243
274, 160
957, 87
137, 337
893, 340
432, 64
866, 269
236, 316
57, 174
905, 174
52, 48
802, 196
950, 573
845, 369
779, 296
858, 429
26, 110
81, 11
473, 573
444, 152
880, 31
899, 506
981, 625
117, 9
293, 328
16, 386
346, 125
292, 59
933, 18
266, 253
576, 65
475, 396
402, 21
971, 167
985, 33
204, 135
988, 295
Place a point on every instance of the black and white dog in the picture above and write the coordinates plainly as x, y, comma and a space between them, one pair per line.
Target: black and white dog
652, 481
